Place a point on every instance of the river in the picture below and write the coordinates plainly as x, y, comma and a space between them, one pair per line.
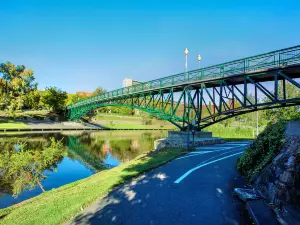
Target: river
84, 153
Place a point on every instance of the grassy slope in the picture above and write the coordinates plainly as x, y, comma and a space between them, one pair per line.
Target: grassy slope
117, 117
11, 124
219, 130
59, 205
130, 122
262, 151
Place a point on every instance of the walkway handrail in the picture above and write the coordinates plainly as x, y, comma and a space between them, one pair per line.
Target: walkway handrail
270, 60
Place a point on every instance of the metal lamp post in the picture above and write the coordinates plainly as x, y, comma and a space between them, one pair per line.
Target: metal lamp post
186, 52
199, 57
193, 130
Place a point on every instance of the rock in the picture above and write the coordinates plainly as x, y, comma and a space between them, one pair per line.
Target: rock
261, 213
290, 162
287, 177
246, 194
271, 191
279, 181
288, 215
282, 193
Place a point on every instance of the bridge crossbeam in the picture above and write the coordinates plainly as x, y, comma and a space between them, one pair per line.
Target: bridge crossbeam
211, 101
212, 94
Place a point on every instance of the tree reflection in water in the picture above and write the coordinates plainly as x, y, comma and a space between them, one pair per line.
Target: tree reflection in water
22, 168
25, 159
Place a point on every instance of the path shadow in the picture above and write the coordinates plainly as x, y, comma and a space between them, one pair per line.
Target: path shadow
143, 200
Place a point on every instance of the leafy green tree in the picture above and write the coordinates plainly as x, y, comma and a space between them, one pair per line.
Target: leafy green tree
54, 99
286, 113
98, 91
74, 98
33, 100
23, 169
15, 83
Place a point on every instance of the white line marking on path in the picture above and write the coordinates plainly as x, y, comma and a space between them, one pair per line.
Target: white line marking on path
194, 154
210, 148
201, 152
202, 165
219, 150
229, 145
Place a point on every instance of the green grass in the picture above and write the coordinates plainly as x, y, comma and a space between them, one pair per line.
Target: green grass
34, 114
6, 124
220, 130
61, 204
117, 117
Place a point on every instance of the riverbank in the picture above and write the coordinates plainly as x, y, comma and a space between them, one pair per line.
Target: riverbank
40, 121
116, 121
11, 124
47, 121
61, 204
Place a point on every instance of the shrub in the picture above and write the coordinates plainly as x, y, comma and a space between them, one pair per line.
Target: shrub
262, 151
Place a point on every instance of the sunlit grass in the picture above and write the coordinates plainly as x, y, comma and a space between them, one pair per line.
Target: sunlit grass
219, 130
118, 117
10, 124
61, 204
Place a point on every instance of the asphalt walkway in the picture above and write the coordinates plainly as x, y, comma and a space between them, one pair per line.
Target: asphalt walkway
194, 189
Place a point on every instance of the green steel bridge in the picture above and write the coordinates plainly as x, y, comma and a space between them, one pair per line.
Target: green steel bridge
200, 98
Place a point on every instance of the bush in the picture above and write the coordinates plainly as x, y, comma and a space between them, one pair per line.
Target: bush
220, 130
267, 145
55, 99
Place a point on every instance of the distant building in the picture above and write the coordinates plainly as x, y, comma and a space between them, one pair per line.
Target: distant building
127, 82
86, 94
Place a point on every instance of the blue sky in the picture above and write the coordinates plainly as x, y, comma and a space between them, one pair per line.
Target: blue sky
80, 45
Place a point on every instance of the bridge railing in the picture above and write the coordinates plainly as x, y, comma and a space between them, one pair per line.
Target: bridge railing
271, 60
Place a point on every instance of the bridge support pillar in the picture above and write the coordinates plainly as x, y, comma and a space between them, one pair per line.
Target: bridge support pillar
182, 135
178, 139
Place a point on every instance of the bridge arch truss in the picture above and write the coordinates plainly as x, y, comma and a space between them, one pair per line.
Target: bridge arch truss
193, 99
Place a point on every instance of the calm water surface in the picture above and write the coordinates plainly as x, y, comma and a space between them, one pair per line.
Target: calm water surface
85, 153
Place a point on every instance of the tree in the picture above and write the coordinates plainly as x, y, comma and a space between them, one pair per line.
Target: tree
286, 113
74, 98
55, 99
98, 91
33, 100
15, 83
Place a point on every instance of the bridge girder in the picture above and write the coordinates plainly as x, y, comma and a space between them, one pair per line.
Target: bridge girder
201, 104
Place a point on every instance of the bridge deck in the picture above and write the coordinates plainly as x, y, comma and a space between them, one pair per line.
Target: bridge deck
261, 76
287, 60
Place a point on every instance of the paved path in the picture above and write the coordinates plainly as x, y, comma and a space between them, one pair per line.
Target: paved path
194, 189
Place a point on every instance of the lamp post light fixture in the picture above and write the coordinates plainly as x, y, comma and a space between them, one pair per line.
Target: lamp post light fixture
199, 57
186, 52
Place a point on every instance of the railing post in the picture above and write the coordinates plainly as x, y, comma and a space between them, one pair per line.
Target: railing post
279, 60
